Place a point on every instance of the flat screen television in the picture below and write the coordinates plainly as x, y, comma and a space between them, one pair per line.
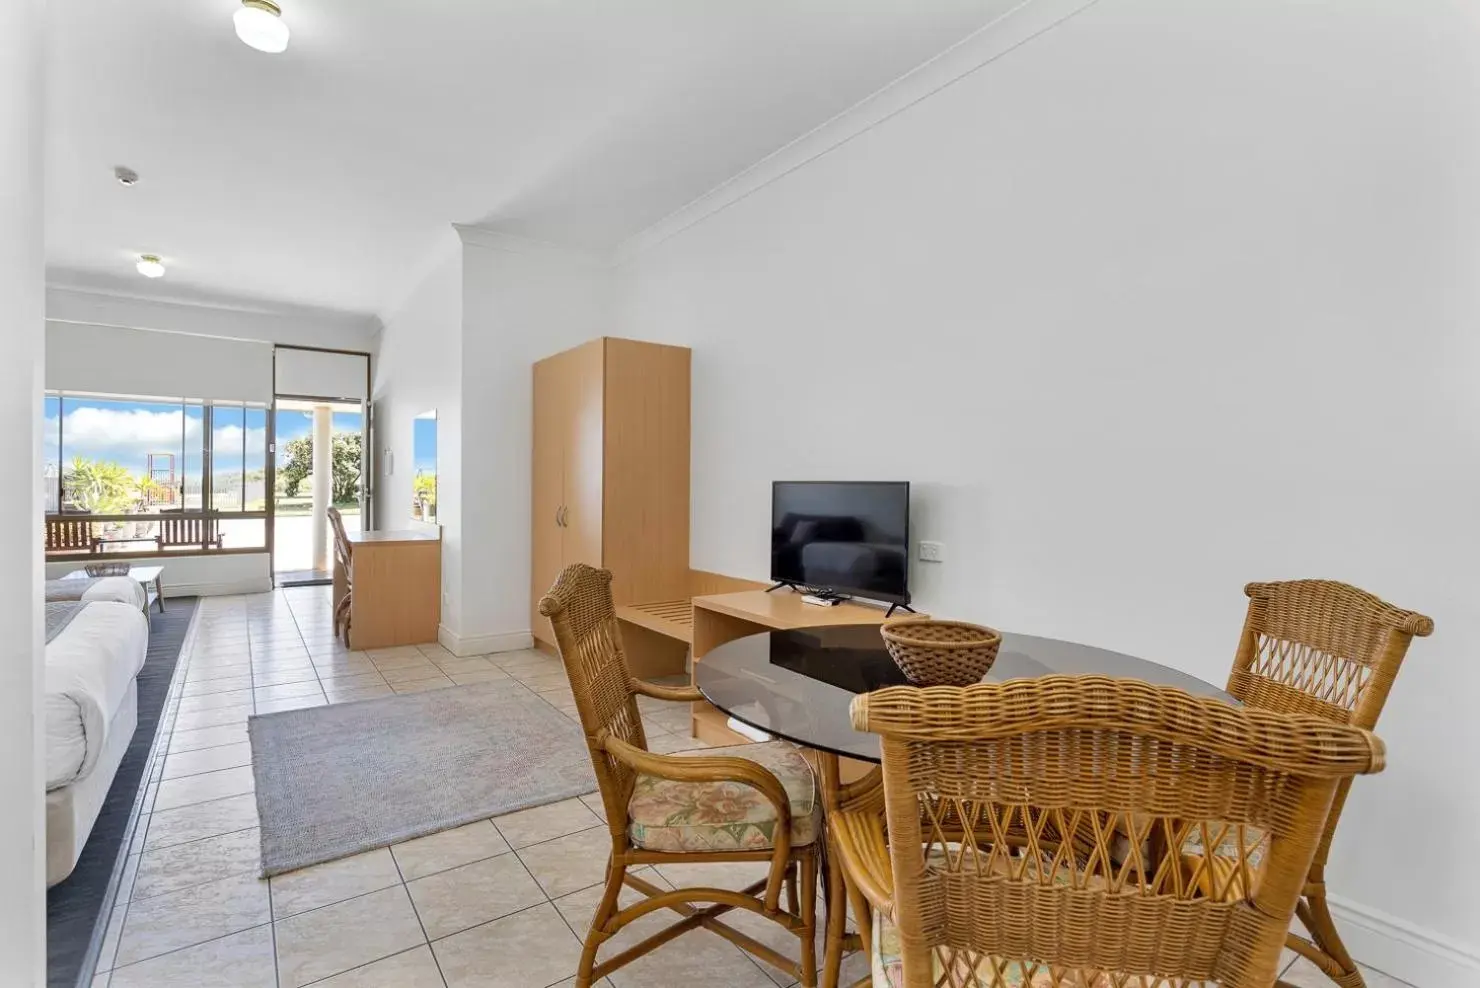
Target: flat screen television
849, 537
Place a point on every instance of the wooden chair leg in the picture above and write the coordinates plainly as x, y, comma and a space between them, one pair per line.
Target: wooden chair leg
837, 909
616, 874
341, 618
809, 917
863, 915
1341, 969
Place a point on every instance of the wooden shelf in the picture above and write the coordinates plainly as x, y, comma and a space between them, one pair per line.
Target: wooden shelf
784, 610
713, 726
670, 618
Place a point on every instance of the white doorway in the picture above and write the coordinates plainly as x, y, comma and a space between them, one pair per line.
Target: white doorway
302, 548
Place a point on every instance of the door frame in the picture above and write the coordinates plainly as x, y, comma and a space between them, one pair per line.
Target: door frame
365, 402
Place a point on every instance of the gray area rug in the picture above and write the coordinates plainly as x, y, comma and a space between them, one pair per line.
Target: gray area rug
333, 781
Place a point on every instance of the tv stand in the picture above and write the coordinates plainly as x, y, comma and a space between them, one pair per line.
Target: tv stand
830, 594
720, 618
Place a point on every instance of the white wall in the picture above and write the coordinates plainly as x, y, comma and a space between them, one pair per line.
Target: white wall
197, 576
417, 367
521, 302
22, 312
1174, 297
485, 308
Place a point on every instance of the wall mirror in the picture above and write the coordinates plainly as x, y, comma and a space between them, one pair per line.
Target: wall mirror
424, 467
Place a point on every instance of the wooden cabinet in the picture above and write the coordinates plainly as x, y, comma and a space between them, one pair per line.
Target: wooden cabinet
611, 469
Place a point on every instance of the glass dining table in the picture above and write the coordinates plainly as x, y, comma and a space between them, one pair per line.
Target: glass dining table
796, 685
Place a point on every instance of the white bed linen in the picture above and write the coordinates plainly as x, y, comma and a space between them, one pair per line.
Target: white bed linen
89, 667
122, 589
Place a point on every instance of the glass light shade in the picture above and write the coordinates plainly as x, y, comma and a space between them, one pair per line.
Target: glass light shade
261, 28
150, 267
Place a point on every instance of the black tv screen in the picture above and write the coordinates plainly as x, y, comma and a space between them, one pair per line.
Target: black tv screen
851, 537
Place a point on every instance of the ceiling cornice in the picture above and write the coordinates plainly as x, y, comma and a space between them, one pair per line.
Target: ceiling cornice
489, 238
988, 43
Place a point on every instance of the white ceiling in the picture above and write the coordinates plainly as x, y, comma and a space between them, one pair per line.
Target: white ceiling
323, 175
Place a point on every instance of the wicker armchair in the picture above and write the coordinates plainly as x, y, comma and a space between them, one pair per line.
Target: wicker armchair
1330, 650
971, 888
750, 803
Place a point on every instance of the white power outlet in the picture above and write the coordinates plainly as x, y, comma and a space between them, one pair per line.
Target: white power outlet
932, 552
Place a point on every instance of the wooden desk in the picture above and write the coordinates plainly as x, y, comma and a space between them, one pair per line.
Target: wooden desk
720, 618
657, 635
398, 587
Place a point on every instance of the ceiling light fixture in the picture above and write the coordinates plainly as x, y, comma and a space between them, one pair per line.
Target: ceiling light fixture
150, 266
260, 25
126, 175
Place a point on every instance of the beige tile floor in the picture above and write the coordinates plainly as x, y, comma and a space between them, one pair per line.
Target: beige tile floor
501, 903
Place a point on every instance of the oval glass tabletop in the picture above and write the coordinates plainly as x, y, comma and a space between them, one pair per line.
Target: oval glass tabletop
796, 685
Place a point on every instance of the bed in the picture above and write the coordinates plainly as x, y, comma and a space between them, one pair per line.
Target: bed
94, 651
122, 589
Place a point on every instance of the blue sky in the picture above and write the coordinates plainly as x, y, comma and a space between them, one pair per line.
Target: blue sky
126, 432
424, 445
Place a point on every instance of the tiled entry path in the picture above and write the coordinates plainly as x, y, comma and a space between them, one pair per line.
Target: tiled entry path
501, 903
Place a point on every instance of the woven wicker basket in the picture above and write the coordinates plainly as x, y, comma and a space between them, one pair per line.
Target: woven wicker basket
107, 569
941, 653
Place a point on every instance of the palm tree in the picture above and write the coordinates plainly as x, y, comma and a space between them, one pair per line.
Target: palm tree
99, 487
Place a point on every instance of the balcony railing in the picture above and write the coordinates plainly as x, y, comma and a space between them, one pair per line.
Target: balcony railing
97, 534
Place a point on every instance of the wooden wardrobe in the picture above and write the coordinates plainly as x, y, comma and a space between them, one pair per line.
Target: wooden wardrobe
611, 469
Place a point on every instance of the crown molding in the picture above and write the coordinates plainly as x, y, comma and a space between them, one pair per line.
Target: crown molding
1006, 33
474, 235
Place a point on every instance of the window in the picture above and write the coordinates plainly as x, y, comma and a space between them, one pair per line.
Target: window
182, 475
228, 457
51, 453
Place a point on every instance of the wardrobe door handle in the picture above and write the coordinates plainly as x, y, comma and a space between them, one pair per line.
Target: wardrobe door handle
564, 514
557, 517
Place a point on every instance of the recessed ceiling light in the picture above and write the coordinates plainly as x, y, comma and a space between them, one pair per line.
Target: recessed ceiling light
150, 266
260, 24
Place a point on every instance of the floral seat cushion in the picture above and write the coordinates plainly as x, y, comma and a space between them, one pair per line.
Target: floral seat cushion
665, 815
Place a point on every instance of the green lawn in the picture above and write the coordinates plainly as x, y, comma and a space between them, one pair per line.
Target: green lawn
290, 506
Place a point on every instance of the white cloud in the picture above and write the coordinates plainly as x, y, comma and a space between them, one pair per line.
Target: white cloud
227, 440
127, 435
